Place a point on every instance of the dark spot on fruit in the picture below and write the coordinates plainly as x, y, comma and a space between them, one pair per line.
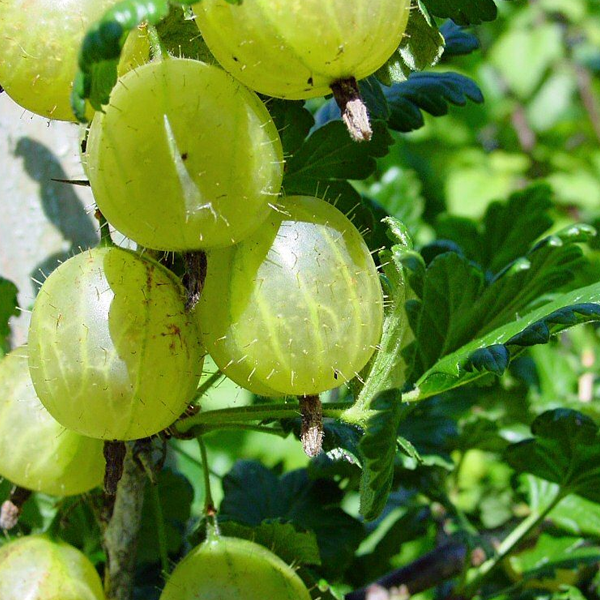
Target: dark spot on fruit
83, 145
184, 156
175, 332
149, 283
311, 81
236, 58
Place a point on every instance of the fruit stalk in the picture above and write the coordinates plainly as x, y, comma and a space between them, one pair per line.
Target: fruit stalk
121, 535
354, 110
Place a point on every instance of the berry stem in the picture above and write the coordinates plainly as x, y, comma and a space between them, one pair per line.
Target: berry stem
161, 532
354, 110
207, 385
157, 48
258, 412
476, 577
212, 527
245, 427
105, 239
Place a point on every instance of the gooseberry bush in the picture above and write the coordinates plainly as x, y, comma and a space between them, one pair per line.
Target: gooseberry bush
348, 346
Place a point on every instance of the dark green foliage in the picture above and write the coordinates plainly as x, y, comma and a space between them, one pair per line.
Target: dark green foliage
254, 494
565, 450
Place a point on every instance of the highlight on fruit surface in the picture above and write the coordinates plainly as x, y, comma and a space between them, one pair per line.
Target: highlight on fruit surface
39, 44
223, 568
113, 354
302, 49
36, 452
37, 568
184, 157
296, 308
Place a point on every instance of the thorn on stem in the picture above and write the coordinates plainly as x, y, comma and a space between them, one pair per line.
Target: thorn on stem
312, 425
354, 110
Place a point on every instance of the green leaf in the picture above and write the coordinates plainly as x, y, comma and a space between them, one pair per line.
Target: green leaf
293, 122
457, 41
574, 514
293, 546
551, 554
456, 306
568, 593
330, 154
431, 428
327, 159
544, 46
254, 494
409, 523
565, 450
175, 494
451, 288
179, 36
101, 50
463, 12
461, 367
378, 449
507, 231
430, 92
421, 47
8, 307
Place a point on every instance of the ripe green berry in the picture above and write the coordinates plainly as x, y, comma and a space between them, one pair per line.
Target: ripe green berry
226, 568
113, 354
298, 50
39, 43
297, 307
36, 452
37, 568
197, 167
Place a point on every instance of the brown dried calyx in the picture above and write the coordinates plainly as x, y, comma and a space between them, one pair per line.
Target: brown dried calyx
312, 425
354, 110
114, 454
195, 274
11, 508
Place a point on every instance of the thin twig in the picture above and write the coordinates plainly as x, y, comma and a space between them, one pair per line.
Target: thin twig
586, 93
121, 535
429, 570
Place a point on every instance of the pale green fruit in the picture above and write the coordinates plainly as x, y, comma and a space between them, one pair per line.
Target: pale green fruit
36, 452
297, 308
36, 568
184, 157
228, 568
296, 50
39, 45
113, 354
